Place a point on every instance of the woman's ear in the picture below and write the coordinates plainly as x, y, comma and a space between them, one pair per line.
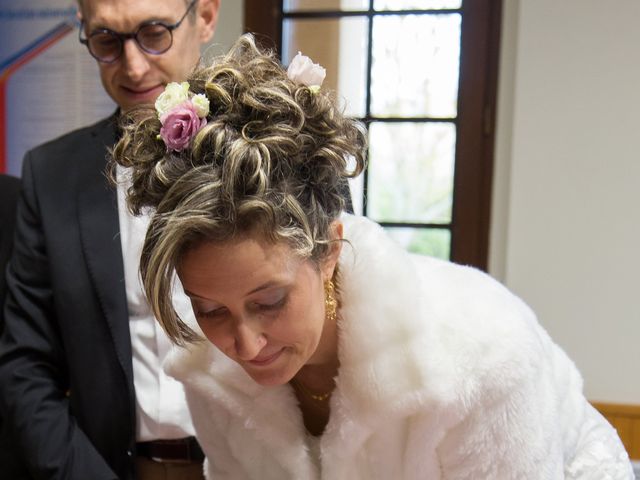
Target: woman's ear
336, 230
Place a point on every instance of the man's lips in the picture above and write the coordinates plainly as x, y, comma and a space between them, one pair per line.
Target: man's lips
142, 92
263, 360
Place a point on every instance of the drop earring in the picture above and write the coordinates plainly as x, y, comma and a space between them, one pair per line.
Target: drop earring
330, 302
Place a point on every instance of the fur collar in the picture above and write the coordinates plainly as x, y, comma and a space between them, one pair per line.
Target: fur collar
406, 344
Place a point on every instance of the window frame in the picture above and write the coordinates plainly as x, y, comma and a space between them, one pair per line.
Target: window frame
475, 121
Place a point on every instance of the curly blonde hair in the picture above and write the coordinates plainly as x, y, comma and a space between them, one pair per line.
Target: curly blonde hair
272, 161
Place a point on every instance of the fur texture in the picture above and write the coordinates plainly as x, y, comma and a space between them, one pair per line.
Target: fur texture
443, 374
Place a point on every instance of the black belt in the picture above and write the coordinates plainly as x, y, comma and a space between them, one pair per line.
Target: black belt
182, 450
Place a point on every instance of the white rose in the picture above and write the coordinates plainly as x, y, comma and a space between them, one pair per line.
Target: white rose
303, 70
201, 104
174, 94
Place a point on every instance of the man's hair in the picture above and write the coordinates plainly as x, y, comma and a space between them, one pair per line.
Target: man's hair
271, 162
186, 2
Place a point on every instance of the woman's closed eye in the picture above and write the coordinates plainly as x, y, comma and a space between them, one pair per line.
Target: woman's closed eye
271, 305
218, 313
215, 313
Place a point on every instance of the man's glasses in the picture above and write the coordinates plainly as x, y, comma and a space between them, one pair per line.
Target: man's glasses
153, 37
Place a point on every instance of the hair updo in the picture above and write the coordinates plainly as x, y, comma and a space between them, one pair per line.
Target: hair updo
271, 161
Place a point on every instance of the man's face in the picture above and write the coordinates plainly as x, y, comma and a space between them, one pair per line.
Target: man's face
138, 77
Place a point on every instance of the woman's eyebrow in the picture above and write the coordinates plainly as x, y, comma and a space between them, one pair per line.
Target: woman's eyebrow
264, 286
191, 294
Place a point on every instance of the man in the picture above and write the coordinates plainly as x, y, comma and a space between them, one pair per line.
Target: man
9, 190
10, 465
82, 387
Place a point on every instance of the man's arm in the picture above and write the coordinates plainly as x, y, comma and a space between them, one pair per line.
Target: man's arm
9, 191
33, 370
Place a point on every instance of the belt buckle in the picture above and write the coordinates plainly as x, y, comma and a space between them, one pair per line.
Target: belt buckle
171, 460
181, 444
182, 448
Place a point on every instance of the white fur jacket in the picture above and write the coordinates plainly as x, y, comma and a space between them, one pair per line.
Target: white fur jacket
443, 374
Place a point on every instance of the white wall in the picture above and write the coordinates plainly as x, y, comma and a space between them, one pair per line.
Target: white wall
566, 227
229, 28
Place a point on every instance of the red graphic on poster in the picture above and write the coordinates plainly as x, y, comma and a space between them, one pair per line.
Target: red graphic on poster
13, 63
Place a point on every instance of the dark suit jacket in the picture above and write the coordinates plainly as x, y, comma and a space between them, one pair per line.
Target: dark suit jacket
9, 190
11, 465
65, 355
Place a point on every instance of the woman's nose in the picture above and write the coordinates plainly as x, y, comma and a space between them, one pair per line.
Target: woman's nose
249, 340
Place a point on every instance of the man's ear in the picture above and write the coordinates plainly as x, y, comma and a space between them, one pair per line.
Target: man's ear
208, 18
335, 247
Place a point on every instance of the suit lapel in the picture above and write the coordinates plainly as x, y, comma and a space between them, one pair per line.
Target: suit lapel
100, 236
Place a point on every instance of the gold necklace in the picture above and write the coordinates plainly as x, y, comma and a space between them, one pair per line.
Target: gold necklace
318, 397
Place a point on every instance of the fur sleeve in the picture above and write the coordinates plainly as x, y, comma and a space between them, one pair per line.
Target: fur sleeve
219, 462
544, 429
593, 450
598, 454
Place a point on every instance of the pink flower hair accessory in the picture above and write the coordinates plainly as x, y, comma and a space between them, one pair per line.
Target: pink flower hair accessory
181, 114
302, 70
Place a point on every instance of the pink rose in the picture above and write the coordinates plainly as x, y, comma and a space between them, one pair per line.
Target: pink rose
180, 125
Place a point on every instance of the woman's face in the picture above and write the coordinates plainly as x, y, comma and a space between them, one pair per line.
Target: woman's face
262, 305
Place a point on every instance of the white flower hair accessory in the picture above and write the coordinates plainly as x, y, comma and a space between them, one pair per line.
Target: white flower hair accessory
302, 70
181, 114
174, 94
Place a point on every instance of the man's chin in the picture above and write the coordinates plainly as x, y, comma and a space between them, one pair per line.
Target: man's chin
129, 99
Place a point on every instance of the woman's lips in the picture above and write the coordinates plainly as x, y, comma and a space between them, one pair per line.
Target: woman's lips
266, 360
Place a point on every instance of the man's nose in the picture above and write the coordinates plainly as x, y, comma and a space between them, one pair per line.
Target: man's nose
135, 61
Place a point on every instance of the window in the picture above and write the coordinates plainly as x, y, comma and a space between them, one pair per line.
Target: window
422, 75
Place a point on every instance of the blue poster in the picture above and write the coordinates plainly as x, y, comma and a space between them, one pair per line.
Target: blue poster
49, 84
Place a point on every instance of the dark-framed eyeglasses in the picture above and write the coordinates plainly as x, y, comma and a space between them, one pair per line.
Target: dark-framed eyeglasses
152, 37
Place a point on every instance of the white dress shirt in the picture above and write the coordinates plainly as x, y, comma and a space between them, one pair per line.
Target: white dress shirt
161, 408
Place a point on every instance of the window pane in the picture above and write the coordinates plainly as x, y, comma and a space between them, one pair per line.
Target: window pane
415, 65
306, 5
415, 4
435, 242
340, 46
411, 172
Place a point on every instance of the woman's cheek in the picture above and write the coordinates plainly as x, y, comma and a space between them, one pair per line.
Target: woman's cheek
215, 333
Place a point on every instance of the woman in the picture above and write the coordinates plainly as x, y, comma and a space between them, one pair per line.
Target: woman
332, 353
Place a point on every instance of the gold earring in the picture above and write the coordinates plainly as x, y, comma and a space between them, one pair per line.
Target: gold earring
330, 302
